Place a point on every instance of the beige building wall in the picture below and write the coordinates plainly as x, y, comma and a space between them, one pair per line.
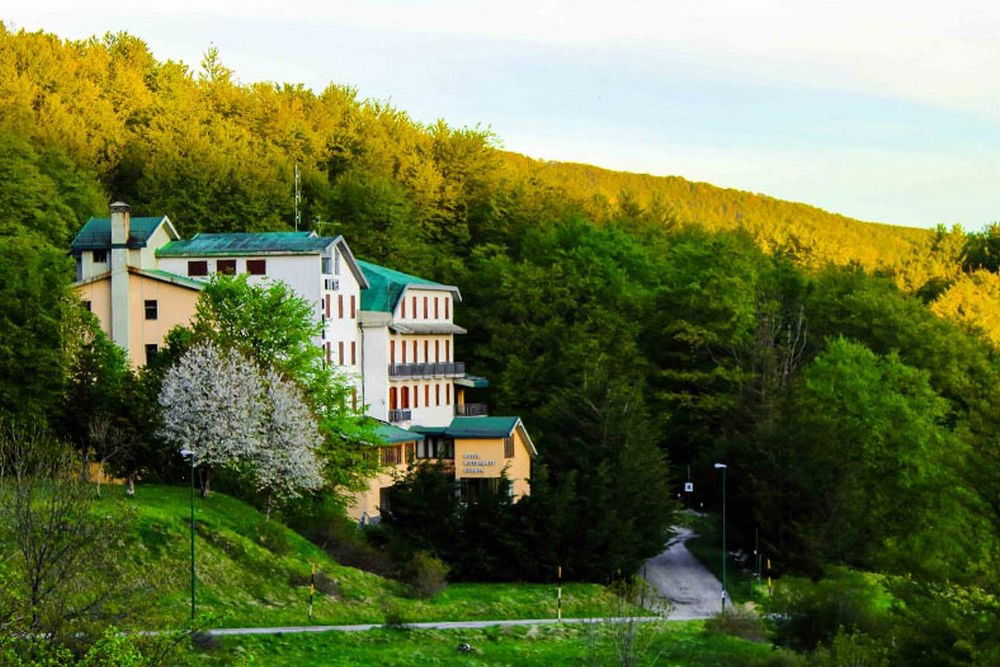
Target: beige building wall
483, 458
175, 305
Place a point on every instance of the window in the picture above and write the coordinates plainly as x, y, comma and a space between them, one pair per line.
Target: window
427, 348
447, 307
352, 308
435, 308
437, 394
414, 304
150, 305
392, 352
416, 396
354, 354
226, 267
151, 350
405, 398
402, 308
385, 499
427, 395
326, 265
415, 352
340, 353
327, 306
100, 257
408, 452
336, 263
257, 267
402, 345
437, 350
392, 455
340, 306
86, 305
447, 394
508, 447
447, 350
198, 267
425, 307
392, 398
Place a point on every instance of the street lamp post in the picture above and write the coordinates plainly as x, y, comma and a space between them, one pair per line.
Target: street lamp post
188, 454
722, 467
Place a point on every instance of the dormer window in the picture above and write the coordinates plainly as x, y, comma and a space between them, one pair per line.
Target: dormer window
100, 257
327, 265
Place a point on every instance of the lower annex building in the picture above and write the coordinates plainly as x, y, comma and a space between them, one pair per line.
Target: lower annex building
391, 335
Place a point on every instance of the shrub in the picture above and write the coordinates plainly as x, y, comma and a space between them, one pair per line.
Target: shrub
272, 536
851, 650
426, 574
804, 614
738, 622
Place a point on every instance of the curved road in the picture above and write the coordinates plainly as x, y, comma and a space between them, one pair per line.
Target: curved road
688, 590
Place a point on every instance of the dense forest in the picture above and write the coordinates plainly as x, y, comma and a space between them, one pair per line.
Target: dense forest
844, 370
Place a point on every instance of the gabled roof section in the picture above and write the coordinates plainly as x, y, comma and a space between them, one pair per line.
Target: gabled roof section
238, 244
247, 243
393, 435
387, 285
153, 274
488, 427
96, 233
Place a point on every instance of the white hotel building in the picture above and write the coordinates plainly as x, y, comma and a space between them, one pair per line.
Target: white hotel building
390, 333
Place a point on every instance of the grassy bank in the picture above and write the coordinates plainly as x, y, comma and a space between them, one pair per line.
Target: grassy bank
655, 643
255, 572
707, 548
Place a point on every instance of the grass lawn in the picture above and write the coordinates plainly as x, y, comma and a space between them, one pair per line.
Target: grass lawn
707, 548
662, 643
253, 572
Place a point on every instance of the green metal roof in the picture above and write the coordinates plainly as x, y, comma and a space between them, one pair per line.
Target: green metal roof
429, 430
387, 285
473, 381
481, 427
391, 435
247, 243
173, 278
96, 233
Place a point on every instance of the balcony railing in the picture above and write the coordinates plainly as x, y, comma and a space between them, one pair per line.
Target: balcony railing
443, 369
399, 415
472, 410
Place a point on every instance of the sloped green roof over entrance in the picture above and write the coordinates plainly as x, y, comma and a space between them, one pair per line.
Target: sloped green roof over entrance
247, 243
387, 285
96, 233
481, 427
392, 435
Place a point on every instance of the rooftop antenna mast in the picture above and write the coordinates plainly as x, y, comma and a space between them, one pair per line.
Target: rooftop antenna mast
298, 197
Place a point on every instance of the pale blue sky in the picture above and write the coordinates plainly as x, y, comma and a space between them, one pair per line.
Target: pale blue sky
856, 107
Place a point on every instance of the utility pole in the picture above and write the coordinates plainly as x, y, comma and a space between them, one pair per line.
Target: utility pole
298, 197
722, 467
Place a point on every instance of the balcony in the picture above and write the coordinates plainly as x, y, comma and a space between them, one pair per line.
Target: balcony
443, 369
400, 415
472, 410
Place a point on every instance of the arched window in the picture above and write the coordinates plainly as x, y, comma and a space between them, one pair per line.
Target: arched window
392, 398
406, 398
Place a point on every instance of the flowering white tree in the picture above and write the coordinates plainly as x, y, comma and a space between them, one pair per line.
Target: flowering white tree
286, 463
211, 401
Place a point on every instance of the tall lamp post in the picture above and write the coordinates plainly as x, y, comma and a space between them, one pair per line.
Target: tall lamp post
188, 454
722, 467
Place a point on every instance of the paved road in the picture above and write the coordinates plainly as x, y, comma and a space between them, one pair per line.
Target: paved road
688, 589
432, 625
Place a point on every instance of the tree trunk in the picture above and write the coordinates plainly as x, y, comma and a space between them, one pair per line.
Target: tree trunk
130, 485
205, 479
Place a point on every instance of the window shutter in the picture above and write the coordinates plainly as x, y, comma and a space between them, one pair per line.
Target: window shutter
340, 306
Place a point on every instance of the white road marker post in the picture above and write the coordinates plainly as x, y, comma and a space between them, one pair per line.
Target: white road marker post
559, 594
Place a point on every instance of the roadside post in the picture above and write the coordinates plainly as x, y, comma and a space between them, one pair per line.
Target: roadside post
559, 593
312, 587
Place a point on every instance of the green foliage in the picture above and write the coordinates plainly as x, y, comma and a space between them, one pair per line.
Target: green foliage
738, 622
804, 614
426, 574
36, 326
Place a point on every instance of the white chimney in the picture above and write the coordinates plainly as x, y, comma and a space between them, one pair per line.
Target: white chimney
119, 275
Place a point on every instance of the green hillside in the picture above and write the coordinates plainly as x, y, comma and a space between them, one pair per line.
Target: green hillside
813, 235
254, 572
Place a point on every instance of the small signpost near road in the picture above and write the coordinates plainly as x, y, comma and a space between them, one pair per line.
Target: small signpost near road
688, 487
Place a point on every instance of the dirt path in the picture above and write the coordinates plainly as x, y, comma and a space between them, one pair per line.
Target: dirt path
688, 589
